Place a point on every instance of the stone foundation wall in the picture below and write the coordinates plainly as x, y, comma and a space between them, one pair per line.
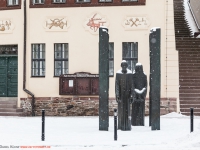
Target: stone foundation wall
82, 106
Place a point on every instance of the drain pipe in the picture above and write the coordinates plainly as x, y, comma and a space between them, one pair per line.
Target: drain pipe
24, 64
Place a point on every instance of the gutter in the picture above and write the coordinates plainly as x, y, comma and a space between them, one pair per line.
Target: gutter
24, 64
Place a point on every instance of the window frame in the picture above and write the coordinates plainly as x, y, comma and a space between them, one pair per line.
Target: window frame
128, 1
111, 59
38, 3
58, 2
61, 59
134, 59
105, 1
7, 1
82, 2
38, 59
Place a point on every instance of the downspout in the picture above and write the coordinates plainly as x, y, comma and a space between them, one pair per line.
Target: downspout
24, 63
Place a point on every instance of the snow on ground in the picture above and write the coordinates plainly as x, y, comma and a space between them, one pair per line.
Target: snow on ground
83, 133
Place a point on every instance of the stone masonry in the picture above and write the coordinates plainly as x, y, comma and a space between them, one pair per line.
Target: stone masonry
82, 106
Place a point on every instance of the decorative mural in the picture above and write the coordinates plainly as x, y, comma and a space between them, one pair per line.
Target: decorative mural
6, 26
133, 23
94, 21
56, 24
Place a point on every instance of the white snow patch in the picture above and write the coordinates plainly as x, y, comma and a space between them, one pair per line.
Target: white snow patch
189, 17
154, 28
83, 133
140, 91
138, 64
174, 114
123, 61
104, 30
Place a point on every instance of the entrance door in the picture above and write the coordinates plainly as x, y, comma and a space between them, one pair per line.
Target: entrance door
8, 76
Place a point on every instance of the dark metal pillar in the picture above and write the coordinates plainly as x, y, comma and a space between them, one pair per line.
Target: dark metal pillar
103, 79
115, 124
43, 123
154, 94
191, 119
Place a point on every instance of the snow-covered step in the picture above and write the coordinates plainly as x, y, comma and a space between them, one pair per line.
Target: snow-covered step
10, 113
8, 107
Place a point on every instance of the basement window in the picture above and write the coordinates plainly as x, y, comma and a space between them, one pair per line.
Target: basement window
83, 1
59, 1
12, 2
104, 1
38, 1
129, 0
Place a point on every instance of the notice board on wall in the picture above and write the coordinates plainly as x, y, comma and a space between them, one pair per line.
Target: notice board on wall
79, 83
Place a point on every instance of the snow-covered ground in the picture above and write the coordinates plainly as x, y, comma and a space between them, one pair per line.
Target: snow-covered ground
83, 133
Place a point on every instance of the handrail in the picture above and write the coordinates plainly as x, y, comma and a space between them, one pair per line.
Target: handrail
195, 13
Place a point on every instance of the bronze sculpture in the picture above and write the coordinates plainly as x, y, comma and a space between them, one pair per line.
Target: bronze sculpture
123, 91
139, 95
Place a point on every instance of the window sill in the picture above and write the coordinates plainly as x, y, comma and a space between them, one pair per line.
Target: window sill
58, 2
106, 2
82, 2
38, 3
37, 76
12, 5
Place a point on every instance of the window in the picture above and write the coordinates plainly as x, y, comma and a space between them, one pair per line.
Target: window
8, 49
38, 60
83, 1
38, 1
105, 0
12, 2
60, 59
129, 0
59, 1
130, 54
111, 59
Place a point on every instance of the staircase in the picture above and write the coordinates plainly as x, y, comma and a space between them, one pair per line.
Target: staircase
189, 62
8, 107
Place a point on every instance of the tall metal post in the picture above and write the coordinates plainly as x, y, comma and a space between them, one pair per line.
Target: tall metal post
154, 94
115, 124
191, 119
43, 123
103, 78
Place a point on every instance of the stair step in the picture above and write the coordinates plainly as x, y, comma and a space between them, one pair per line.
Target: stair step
10, 110
8, 106
11, 114
8, 98
8, 102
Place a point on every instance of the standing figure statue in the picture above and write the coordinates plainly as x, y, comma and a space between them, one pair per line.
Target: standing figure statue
139, 95
123, 92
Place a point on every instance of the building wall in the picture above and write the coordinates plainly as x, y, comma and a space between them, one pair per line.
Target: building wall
83, 45
171, 56
14, 36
